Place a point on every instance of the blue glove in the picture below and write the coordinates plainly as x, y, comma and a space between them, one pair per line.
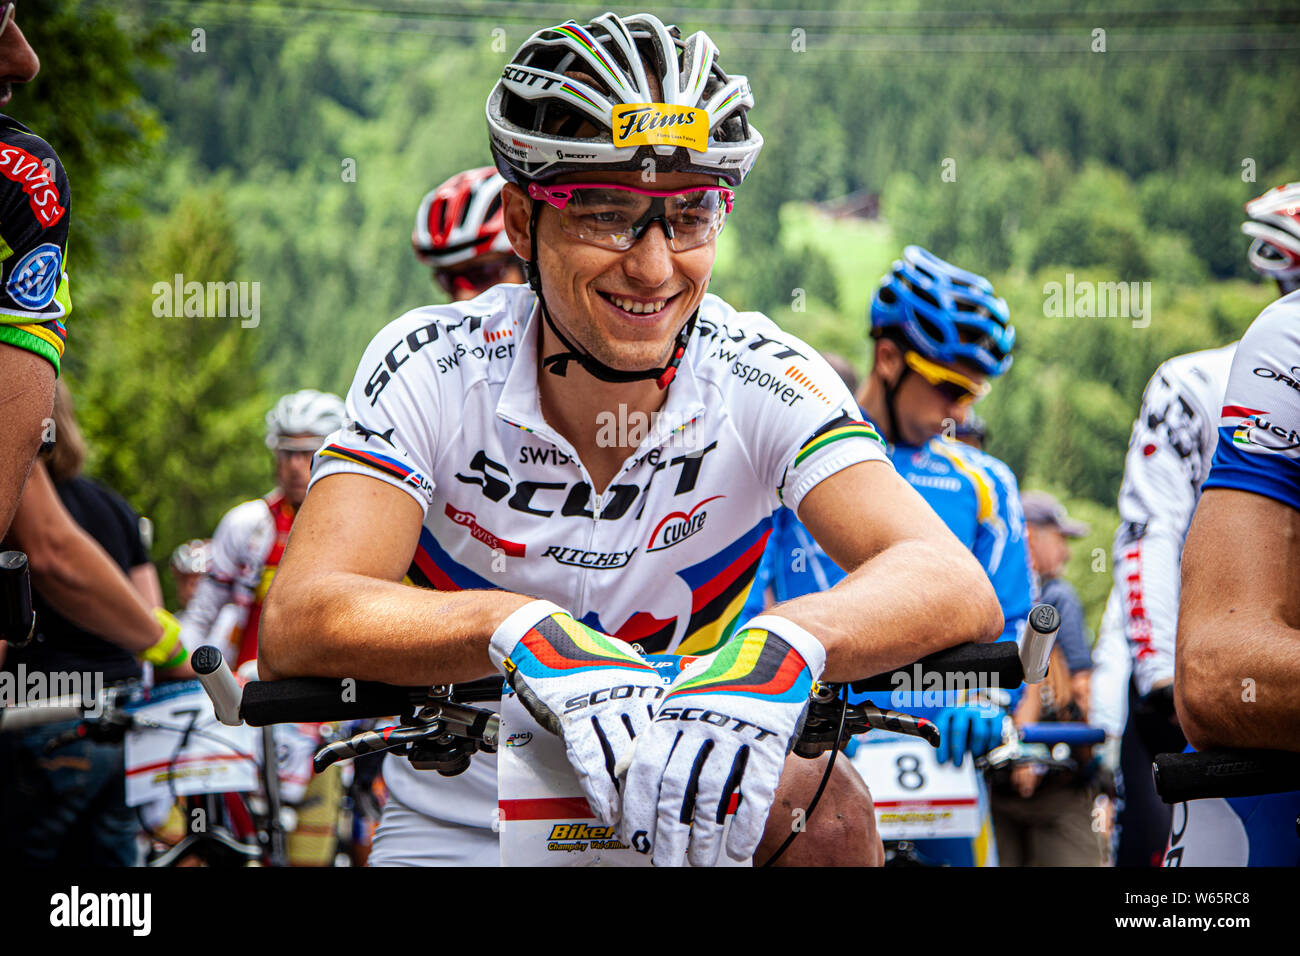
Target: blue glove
967, 728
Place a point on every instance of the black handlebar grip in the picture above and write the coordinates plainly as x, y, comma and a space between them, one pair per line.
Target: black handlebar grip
975, 665
320, 699
1225, 773
17, 620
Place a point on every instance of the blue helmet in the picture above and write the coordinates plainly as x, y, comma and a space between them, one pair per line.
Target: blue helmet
946, 313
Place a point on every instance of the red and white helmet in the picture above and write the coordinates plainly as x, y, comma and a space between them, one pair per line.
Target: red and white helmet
461, 220
1274, 224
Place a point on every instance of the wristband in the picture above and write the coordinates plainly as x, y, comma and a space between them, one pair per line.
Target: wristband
512, 630
169, 651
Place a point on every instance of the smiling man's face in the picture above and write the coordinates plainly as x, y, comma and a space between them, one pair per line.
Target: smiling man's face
18, 61
624, 308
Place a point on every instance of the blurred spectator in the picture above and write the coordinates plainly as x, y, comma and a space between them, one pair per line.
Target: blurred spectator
70, 806
1047, 819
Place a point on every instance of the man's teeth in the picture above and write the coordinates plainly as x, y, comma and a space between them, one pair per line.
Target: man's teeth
627, 305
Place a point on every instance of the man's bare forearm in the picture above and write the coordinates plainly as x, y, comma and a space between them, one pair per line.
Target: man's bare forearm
347, 625
1236, 683
910, 600
74, 574
26, 397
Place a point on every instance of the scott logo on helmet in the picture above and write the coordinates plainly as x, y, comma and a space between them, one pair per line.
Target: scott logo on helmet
659, 124
518, 74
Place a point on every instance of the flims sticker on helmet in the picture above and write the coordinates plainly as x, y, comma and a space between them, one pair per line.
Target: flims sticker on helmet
660, 124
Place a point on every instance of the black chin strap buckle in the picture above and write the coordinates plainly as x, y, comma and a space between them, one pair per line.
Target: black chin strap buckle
557, 364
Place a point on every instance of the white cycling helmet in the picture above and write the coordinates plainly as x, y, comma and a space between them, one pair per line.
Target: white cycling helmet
578, 98
1274, 224
307, 412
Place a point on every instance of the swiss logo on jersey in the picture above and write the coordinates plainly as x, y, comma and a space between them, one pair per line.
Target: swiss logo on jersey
466, 519
20, 166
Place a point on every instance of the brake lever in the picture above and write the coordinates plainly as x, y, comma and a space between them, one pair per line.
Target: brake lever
823, 720
369, 742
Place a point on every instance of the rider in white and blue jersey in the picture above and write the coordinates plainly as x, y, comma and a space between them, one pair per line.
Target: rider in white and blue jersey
940, 334
1238, 650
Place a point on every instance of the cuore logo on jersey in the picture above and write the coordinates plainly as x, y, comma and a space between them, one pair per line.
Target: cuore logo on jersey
660, 124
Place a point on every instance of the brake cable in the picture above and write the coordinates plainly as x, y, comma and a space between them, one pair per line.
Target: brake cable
830, 765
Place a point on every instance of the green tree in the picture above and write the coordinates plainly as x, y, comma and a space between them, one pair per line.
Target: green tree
86, 102
172, 405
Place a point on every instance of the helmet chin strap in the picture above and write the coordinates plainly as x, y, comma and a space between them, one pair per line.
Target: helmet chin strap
558, 364
890, 392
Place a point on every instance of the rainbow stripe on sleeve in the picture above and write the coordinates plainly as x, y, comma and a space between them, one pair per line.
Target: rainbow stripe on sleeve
837, 430
389, 466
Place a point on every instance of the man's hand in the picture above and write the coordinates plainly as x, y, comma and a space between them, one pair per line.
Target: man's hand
723, 729
591, 690
1025, 778
967, 729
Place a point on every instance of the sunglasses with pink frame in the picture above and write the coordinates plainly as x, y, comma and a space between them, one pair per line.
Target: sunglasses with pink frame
598, 214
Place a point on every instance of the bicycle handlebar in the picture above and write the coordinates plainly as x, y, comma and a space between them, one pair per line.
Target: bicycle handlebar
214, 674
988, 663
17, 619
320, 699
53, 711
1225, 773
1064, 732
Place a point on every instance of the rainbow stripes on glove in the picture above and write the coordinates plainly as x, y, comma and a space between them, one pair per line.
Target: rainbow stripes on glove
756, 663
558, 645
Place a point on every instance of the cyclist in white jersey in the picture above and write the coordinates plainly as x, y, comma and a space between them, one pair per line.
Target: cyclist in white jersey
246, 546
612, 441
1170, 452
1238, 652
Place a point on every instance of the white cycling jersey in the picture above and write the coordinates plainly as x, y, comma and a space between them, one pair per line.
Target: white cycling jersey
445, 407
1111, 668
1169, 456
245, 548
